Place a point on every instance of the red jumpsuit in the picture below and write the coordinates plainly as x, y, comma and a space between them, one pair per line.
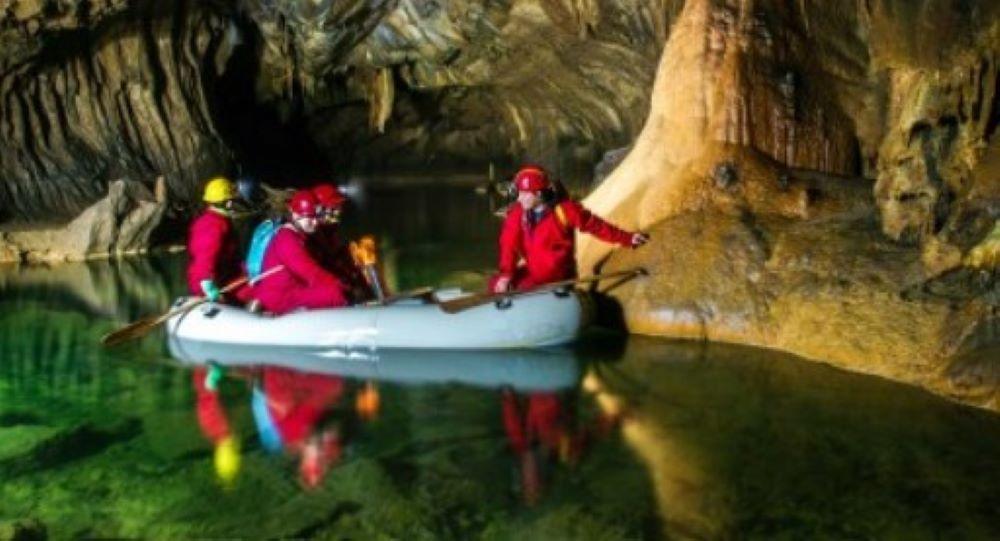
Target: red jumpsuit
303, 283
333, 255
542, 423
297, 401
212, 251
211, 414
547, 246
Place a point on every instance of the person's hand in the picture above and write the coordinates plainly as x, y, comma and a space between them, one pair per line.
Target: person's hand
502, 285
638, 239
212, 291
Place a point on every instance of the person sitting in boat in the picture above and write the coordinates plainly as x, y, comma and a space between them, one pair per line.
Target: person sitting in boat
331, 251
303, 284
213, 249
252, 208
539, 230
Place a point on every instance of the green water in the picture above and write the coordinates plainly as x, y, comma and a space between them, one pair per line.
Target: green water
655, 439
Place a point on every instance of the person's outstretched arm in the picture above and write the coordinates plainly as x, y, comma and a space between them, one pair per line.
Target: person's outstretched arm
588, 222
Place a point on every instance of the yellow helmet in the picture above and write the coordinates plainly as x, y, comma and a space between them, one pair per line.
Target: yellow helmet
219, 190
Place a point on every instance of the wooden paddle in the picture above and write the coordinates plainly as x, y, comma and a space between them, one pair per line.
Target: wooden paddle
425, 292
142, 326
460, 304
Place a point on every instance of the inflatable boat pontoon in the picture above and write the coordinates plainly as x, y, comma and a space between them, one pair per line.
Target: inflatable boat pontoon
527, 370
536, 320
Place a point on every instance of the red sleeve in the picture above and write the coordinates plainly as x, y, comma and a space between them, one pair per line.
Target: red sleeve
510, 242
588, 222
293, 254
207, 238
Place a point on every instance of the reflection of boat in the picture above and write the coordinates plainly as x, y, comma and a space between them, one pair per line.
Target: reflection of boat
540, 369
542, 319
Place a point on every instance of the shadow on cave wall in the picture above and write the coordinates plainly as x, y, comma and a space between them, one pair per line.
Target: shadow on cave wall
271, 145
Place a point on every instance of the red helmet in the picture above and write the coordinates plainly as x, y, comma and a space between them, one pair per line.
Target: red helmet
531, 178
328, 195
303, 203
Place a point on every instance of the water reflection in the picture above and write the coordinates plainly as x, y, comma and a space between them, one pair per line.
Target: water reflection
543, 369
307, 402
758, 444
296, 414
109, 289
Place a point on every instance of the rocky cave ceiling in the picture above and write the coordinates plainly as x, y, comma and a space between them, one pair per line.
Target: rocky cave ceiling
94, 90
291, 90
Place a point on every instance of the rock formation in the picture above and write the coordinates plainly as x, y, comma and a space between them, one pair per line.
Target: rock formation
752, 174
92, 90
121, 223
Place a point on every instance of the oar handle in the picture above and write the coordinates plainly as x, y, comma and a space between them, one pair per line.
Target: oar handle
464, 303
144, 325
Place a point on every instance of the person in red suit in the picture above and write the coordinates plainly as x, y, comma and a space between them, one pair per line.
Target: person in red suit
304, 283
537, 237
212, 244
331, 251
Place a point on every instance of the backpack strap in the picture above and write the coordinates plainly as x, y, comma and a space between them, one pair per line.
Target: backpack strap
561, 216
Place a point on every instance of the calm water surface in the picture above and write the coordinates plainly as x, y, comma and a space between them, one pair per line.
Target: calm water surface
613, 439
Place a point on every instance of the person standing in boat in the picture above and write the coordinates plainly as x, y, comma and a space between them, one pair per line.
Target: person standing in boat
303, 284
331, 251
213, 250
537, 237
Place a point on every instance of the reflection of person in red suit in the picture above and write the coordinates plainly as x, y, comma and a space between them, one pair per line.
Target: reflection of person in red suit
303, 283
541, 431
291, 418
331, 251
539, 230
214, 424
535, 432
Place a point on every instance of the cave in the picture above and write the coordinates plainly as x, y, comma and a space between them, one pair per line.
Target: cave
801, 209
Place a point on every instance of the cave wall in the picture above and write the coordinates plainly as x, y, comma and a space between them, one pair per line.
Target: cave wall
95, 91
293, 90
902, 93
857, 250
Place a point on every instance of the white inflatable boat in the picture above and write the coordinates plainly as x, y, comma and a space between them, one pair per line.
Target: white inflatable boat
535, 320
540, 369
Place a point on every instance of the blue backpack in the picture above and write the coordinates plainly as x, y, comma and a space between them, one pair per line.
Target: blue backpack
262, 236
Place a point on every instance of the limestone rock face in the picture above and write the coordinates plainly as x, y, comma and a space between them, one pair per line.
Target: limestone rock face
97, 90
416, 84
789, 153
121, 223
293, 89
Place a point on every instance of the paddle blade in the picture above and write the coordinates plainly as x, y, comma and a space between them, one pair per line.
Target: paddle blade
461, 304
426, 293
131, 331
